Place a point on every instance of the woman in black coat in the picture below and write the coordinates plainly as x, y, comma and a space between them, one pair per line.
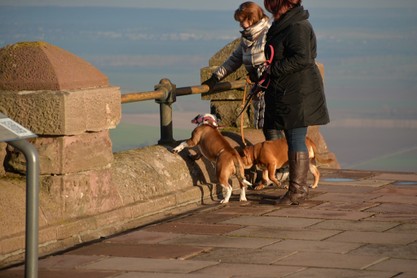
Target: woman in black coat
295, 96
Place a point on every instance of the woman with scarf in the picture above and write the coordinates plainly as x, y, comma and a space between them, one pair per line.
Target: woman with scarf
250, 52
295, 96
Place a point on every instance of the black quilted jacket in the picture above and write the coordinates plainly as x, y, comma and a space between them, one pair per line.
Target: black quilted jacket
295, 96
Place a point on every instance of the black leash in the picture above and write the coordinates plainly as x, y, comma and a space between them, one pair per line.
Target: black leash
248, 100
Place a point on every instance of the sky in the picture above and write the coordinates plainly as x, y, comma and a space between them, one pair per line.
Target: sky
201, 5
367, 48
178, 4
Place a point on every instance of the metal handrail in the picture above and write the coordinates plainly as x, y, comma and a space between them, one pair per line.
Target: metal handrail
165, 94
183, 91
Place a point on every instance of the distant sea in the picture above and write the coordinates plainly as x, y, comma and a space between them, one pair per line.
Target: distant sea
368, 50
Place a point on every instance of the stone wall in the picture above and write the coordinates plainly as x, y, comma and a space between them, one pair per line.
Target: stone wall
86, 191
71, 106
142, 186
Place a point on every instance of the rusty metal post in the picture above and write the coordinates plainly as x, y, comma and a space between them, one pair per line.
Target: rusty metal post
165, 110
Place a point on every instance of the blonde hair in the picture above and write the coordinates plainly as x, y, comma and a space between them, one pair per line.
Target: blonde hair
250, 11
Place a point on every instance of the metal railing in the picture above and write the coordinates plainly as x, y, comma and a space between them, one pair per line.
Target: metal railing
166, 93
14, 134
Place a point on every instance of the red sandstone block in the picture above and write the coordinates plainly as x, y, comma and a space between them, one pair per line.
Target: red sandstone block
113, 217
70, 229
13, 244
81, 194
64, 112
142, 209
68, 154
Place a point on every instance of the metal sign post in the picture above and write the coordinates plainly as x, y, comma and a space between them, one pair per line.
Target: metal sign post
15, 135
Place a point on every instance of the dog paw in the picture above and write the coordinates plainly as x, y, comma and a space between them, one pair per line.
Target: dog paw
224, 201
243, 200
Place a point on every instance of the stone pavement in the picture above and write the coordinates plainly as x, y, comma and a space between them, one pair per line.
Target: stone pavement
355, 224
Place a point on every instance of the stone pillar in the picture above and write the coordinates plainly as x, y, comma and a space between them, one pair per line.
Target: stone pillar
70, 105
227, 105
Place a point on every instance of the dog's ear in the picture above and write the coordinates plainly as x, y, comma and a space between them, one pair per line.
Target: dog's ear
196, 119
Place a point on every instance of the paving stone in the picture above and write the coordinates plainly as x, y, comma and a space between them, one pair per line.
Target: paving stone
166, 275
141, 236
339, 188
399, 265
149, 265
271, 221
206, 218
355, 183
156, 251
346, 174
397, 190
314, 245
348, 225
309, 203
43, 273
393, 217
397, 176
222, 241
393, 250
321, 214
341, 273
329, 260
193, 228
66, 261
390, 198
347, 197
406, 227
405, 275
357, 206
249, 270
62, 266
246, 210
268, 232
345, 229
395, 208
374, 237
244, 256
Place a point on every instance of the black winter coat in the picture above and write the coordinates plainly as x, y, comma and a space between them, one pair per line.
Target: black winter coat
295, 96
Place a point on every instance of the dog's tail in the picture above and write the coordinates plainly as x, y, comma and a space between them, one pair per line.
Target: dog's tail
239, 167
319, 159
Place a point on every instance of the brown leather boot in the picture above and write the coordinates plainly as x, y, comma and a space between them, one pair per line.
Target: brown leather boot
297, 189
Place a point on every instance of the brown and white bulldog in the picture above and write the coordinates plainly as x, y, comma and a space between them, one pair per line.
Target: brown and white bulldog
271, 155
217, 149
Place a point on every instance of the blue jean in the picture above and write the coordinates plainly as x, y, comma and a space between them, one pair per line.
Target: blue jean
296, 138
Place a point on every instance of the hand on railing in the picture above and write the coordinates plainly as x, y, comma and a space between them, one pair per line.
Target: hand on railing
211, 82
